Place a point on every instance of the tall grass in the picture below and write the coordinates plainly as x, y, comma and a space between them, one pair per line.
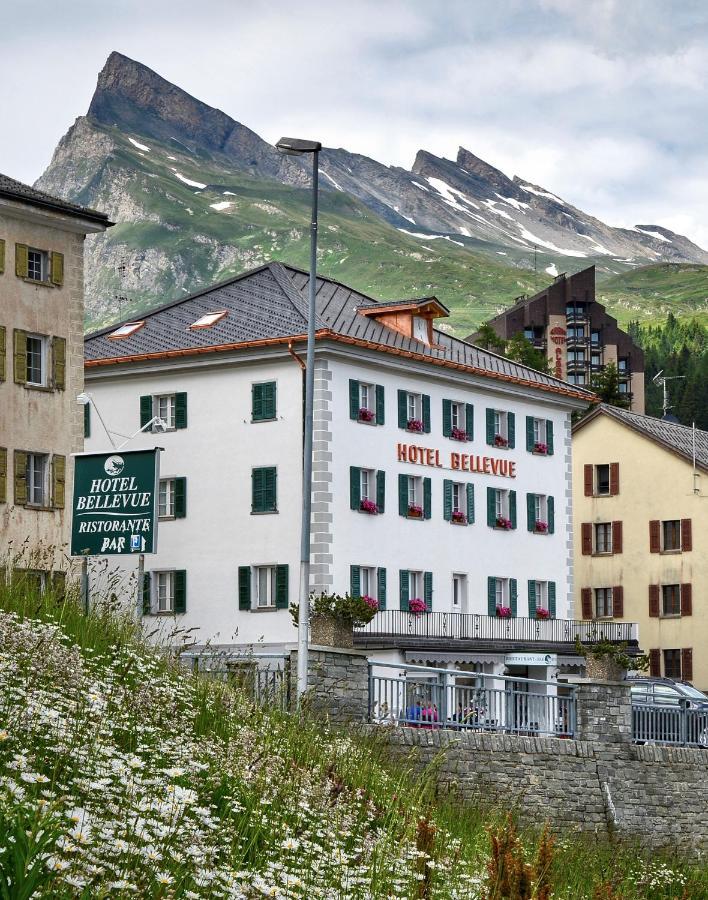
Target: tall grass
123, 775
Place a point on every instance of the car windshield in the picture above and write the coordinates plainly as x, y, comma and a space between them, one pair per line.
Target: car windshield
692, 692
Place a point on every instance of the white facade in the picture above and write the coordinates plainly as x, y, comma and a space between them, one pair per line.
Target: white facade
220, 446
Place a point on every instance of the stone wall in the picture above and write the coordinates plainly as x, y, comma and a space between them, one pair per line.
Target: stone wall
338, 683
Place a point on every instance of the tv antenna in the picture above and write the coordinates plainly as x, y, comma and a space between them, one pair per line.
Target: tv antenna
660, 381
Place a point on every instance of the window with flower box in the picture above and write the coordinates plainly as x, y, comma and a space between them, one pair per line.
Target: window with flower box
368, 581
366, 402
415, 585
367, 490
540, 513
542, 599
502, 597
501, 509
458, 420
414, 497
539, 436
414, 412
501, 428
458, 502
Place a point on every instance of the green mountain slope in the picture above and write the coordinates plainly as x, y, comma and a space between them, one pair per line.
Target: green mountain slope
652, 292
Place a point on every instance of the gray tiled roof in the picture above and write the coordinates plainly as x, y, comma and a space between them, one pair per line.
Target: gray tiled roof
16, 190
270, 302
671, 435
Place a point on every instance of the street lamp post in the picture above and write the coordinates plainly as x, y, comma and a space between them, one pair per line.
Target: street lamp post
296, 147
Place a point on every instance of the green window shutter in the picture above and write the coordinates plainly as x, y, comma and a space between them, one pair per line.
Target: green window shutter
512, 508
447, 500
181, 409
491, 507
21, 260
552, 598
403, 495
402, 409
281, 587
381, 586
355, 581
180, 498
257, 403
20, 358
2, 256
147, 598
354, 487
3, 474
490, 426
529, 434
59, 363
428, 590
264, 490
381, 490
427, 498
426, 413
180, 591
244, 588
513, 596
271, 487
550, 502
549, 436
87, 420
20, 470
270, 400
447, 417
532, 599
511, 428
380, 406
531, 511
469, 421
3, 351
470, 504
404, 585
57, 268
58, 481
491, 595
145, 410
353, 399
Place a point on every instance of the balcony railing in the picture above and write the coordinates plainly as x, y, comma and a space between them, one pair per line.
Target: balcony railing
470, 627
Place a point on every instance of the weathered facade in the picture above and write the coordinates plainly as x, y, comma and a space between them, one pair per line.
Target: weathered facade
41, 370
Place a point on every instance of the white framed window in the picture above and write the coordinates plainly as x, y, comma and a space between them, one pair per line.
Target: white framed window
540, 507
671, 535
415, 490
541, 588
415, 585
459, 498
501, 423
265, 584
420, 329
603, 603
459, 592
164, 407
415, 406
368, 484
603, 537
457, 416
501, 591
165, 586
501, 503
37, 265
166, 499
37, 351
539, 431
37, 479
367, 581
367, 396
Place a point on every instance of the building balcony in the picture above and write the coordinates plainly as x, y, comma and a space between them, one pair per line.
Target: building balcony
436, 630
576, 365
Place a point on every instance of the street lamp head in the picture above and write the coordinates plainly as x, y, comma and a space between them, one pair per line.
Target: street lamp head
296, 147
83, 399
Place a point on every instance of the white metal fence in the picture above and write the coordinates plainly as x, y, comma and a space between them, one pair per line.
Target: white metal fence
663, 724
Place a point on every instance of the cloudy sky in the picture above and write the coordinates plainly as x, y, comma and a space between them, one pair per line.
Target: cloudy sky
601, 101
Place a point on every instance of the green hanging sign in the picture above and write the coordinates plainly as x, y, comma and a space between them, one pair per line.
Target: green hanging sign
115, 503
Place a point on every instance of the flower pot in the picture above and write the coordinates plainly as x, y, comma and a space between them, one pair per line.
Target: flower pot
603, 669
331, 632
415, 514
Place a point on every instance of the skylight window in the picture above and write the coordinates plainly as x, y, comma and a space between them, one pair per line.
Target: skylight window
126, 330
209, 319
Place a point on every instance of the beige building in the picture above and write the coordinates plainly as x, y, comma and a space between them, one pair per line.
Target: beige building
41, 369
640, 520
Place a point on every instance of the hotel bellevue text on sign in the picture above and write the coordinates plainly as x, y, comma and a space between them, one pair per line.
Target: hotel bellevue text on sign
115, 503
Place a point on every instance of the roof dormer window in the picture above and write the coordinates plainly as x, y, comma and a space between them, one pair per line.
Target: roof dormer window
125, 330
209, 319
411, 318
420, 329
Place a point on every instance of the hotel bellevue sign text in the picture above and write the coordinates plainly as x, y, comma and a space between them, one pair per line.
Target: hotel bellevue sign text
462, 462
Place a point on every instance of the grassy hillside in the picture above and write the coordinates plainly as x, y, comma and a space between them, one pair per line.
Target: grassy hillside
123, 776
650, 293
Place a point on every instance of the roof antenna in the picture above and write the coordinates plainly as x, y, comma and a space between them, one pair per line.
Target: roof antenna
660, 381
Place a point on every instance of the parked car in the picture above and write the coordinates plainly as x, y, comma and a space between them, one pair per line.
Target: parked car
665, 710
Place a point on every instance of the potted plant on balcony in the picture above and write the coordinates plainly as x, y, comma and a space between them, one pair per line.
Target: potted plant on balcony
366, 415
540, 448
368, 506
542, 613
416, 606
607, 661
458, 517
333, 617
415, 425
457, 434
503, 523
500, 441
540, 527
414, 512
503, 612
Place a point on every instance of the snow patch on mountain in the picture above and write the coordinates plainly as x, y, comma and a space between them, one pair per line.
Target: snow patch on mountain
552, 270
547, 244
654, 234
329, 178
222, 204
138, 145
196, 184
533, 190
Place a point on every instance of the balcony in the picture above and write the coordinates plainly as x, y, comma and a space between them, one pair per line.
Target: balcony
396, 628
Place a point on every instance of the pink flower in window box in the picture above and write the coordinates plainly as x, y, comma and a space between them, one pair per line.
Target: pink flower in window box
366, 415
503, 523
458, 517
542, 613
540, 448
414, 425
503, 612
415, 512
457, 434
368, 506
541, 527
371, 603
416, 606
500, 441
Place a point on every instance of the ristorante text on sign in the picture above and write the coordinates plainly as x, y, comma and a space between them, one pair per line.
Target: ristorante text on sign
115, 503
464, 462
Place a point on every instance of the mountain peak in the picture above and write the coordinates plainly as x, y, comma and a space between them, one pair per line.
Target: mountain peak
473, 165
